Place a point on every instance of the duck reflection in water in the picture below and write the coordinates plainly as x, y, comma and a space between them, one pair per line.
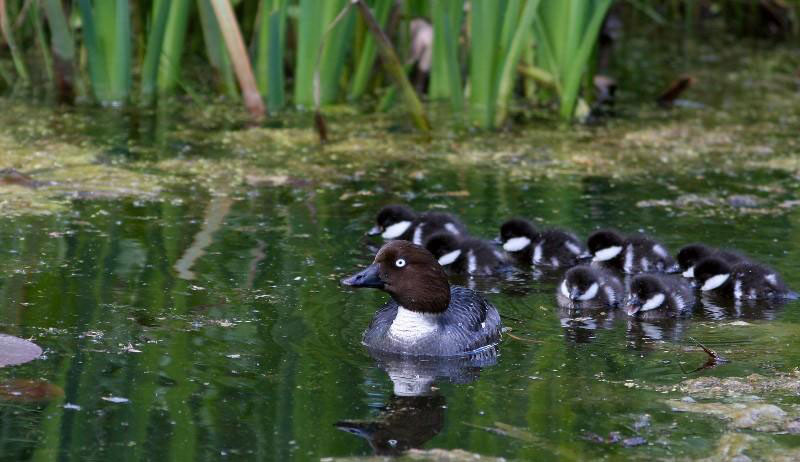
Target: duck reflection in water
720, 309
415, 411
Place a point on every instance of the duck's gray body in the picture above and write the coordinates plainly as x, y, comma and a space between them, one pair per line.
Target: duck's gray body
468, 324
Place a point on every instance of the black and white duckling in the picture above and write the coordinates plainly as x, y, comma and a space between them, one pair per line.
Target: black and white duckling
402, 223
746, 280
659, 295
550, 247
585, 286
465, 255
632, 254
426, 316
691, 254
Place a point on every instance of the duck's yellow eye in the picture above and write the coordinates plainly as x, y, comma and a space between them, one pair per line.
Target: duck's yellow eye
400, 263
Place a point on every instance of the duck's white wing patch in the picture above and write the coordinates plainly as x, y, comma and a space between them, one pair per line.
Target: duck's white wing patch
689, 273
537, 254
417, 239
607, 254
653, 302
409, 326
573, 248
449, 257
452, 228
715, 281
590, 293
627, 266
472, 262
396, 230
564, 289
659, 250
772, 279
737, 289
515, 244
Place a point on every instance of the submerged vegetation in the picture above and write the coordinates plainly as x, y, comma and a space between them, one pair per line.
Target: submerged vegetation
484, 54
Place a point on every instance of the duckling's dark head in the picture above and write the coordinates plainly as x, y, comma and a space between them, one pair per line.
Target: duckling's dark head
711, 272
517, 235
392, 221
646, 293
445, 246
410, 274
605, 244
690, 255
580, 283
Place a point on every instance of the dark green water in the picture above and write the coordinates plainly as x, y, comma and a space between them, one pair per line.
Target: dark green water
207, 323
258, 356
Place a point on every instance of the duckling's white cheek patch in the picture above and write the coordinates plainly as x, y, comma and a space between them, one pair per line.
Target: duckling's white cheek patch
590, 293
396, 230
608, 253
689, 273
653, 302
449, 257
714, 281
515, 244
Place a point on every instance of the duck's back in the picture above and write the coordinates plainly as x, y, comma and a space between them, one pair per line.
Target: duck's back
469, 323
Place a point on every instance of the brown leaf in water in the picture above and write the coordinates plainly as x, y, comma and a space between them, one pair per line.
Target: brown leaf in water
668, 96
29, 391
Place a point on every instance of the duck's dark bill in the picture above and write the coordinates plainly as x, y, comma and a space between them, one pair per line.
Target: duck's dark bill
374, 231
367, 278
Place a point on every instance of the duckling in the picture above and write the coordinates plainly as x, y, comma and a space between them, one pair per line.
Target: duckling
465, 255
586, 286
659, 295
426, 316
739, 281
632, 254
550, 247
690, 254
402, 223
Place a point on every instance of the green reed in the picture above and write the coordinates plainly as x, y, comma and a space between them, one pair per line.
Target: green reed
487, 55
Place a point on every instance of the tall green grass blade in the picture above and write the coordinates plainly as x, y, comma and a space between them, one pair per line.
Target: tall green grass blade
446, 71
276, 93
97, 65
394, 68
270, 43
8, 35
63, 49
314, 19
155, 41
215, 48
521, 38
121, 70
485, 24
169, 65
366, 59
577, 65
567, 32
241, 60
